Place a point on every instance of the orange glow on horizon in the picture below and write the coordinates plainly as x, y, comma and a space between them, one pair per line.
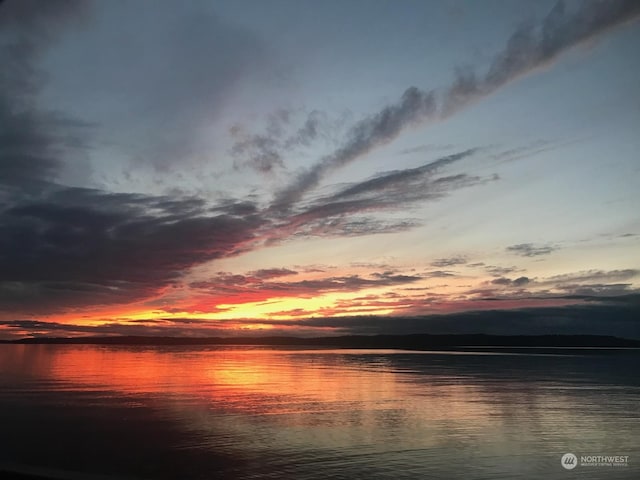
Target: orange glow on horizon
273, 309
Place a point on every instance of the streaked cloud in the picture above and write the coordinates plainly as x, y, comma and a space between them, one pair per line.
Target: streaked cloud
530, 250
364, 136
529, 48
449, 262
518, 282
283, 136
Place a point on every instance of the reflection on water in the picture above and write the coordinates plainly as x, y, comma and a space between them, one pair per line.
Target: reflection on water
210, 412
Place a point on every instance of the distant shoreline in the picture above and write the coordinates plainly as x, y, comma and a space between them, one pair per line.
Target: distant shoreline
406, 342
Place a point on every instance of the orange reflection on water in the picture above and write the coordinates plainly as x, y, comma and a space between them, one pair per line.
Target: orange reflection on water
261, 381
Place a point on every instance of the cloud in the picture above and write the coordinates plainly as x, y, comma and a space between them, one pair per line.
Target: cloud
269, 273
530, 250
339, 225
590, 285
62, 248
499, 271
262, 152
265, 152
529, 48
332, 215
594, 276
399, 181
518, 282
429, 148
31, 139
597, 290
228, 288
449, 262
533, 46
364, 136
77, 247
439, 274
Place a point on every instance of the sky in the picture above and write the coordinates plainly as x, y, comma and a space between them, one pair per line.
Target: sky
319, 168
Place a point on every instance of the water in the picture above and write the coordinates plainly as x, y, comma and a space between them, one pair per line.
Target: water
212, 412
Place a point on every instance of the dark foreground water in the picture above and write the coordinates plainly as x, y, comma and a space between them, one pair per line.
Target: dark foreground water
230, 413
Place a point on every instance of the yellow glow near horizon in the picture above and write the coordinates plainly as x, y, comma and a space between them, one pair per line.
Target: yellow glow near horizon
281, 308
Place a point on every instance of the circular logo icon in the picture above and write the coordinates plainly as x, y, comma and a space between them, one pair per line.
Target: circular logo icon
569, 461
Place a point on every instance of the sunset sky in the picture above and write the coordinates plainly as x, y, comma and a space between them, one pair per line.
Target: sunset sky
319, 167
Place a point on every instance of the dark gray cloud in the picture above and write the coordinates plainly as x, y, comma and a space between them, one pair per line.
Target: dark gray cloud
439, 274
590, 285
597, 290
262, 152
449, 262
62, 248
344, 213
374, 131
74, 247
530, 250
340, 225
268, 273
518, 282
533, 46
282, 136
499, 271
32, 140
591, 276
429, 148
530, 47
400, 181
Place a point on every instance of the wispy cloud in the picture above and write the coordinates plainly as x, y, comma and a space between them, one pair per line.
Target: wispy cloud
348, 211
530, 250
369, 133
498, 271
595, 276
536, 45
401, 182
234, 288
283, 135
518, 282
449, 262
429, 148
529, 48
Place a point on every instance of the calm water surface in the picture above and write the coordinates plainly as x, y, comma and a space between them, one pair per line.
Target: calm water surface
211, 412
